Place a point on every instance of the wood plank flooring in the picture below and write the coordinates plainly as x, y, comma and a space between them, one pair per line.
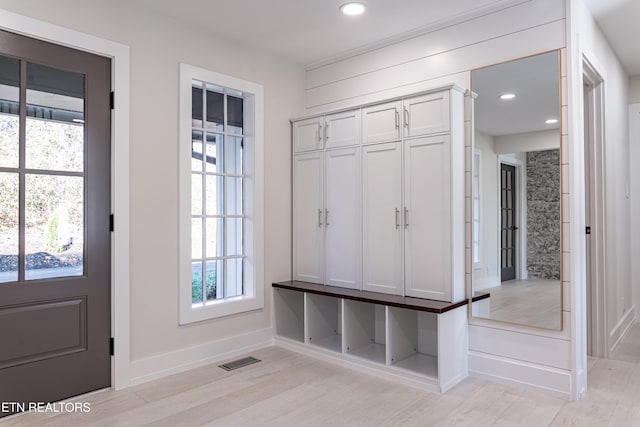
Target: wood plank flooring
290, 389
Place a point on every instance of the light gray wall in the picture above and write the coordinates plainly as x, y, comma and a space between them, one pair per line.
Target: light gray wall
529, 141
634, 90
158, 43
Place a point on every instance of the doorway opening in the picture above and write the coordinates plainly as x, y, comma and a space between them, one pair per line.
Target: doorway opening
594, 161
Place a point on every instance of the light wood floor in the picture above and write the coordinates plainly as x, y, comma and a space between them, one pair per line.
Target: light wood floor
532, 302
289, 389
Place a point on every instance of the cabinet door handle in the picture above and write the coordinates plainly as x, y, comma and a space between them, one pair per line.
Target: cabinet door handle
406, 217
319, 132
326, 218
397, 218
397, 119
406, 118
326, 132
319, 217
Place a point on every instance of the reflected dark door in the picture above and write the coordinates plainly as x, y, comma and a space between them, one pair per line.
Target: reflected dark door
54, 221
507, 222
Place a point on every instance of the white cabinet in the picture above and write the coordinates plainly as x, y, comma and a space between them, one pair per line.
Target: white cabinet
427, 221
308, 135
330, 131
382, 217
342, 217
308, 217
381, 123
427, 114
327, 217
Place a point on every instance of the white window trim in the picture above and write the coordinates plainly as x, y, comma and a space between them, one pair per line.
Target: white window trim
253, 266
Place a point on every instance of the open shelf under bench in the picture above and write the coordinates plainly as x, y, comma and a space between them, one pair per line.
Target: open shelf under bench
423, 342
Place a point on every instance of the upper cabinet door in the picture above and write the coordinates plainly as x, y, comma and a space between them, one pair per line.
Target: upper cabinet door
427, 217
382, 218
308, 135
342, 129
308, 217
343, 220
381, 123
426, 114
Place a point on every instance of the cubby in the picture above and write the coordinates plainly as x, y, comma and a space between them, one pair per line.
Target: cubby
365, 330
413, 341
323, 326
423, 342
290, 319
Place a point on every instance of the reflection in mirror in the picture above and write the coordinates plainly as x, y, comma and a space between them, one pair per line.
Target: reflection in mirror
516, 192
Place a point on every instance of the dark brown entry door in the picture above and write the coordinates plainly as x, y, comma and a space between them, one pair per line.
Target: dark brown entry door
54, 221
507, 222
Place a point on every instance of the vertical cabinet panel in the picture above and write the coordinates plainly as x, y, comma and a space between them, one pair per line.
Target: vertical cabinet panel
427, 180
342, 129
381, 123
308, 218
308, 134
426, 114
382, 217
343, 218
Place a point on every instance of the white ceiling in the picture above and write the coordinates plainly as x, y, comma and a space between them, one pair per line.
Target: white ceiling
310, 31
619, 20
534, 81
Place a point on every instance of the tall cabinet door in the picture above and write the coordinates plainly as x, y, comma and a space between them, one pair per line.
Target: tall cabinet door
427, 216
342, 218
382, 218
308, 217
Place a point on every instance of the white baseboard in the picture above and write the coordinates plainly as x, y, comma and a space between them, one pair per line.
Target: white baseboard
621, 329
161, 365
551, 381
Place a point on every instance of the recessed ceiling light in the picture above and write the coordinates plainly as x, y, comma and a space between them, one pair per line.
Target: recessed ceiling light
77, 120
353, 8
551, 121
507, 96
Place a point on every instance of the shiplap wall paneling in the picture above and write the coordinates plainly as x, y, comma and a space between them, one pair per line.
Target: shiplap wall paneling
290, 319
364, 330
308, 217
381, 123
323, 326
381, 218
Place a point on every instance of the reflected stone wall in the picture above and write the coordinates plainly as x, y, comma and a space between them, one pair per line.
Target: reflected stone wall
543, 214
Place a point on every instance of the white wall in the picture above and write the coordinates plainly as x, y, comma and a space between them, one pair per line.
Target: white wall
487, 273
634, 148
157, 45
502, 352
634, 90
529, 141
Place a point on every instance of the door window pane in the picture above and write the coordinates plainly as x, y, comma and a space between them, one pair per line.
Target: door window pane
196, 151
215, 108
234, 236
214, 237
233, 272
196, 282
9, 110
214, 146
55, 119
235, 119
9, 227
214, 280
233, 156
234, 195
214, 195
54, 226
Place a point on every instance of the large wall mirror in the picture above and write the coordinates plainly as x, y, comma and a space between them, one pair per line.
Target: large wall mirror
516, 165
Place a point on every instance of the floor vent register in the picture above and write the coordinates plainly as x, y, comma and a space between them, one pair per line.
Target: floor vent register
236, 364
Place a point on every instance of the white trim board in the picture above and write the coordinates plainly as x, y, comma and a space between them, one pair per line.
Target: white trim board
621, 329
550, 381
119, 55
634, 142
173, 362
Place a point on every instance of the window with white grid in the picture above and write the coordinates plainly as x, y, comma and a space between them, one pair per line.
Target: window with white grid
219, 153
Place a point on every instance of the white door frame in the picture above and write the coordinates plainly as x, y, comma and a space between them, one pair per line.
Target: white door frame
594, 168
119, 55
634, 142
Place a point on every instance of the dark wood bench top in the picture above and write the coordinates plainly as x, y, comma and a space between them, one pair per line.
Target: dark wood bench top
410, 303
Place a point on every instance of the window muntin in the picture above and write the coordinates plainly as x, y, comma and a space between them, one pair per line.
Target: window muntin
217, 178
